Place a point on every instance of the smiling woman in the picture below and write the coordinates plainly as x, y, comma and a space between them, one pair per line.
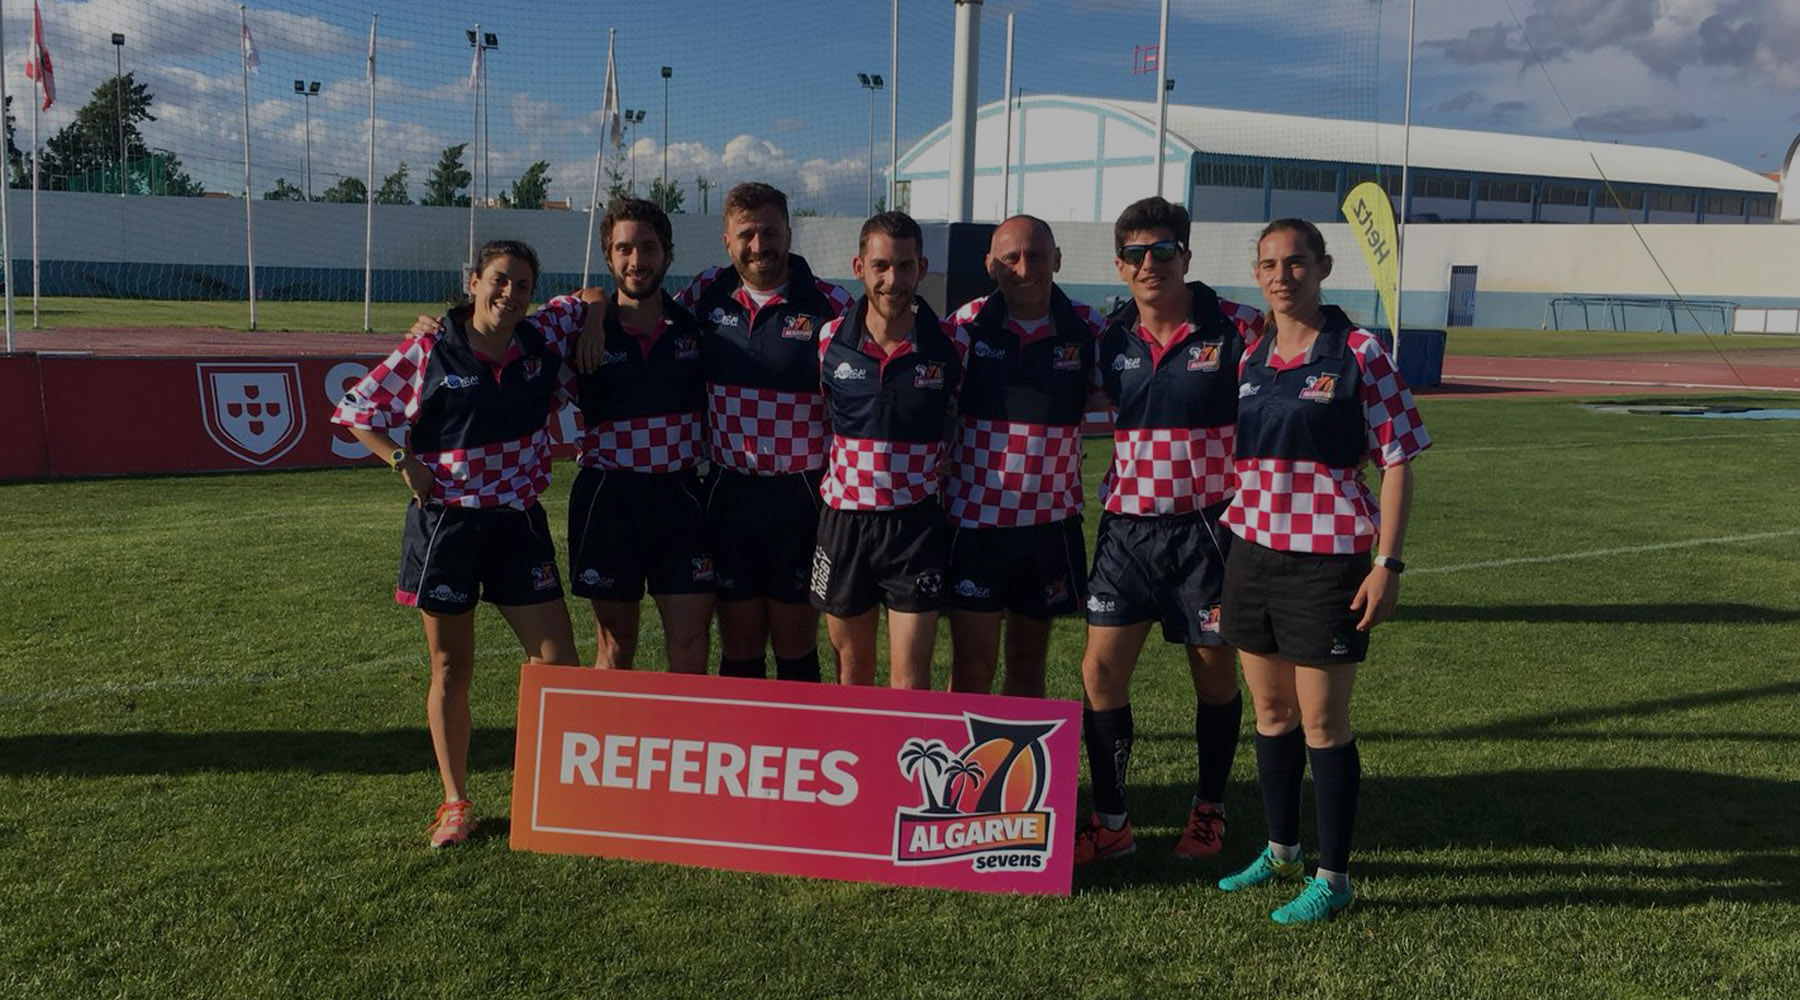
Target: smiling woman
476, 392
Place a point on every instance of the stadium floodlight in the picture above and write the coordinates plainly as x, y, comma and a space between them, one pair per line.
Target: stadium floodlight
871, 82
118, 40
667, 71
308, 89
631, 117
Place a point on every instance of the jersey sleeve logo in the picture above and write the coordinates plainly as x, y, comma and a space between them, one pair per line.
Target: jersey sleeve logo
847, 372
983, 349
798, 327
687, 349
1204, 357
1121, 363
532, 368
1319, 388
1066, 358
720, 317
929, 375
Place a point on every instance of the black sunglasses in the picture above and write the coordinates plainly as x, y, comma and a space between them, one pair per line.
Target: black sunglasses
1162, 251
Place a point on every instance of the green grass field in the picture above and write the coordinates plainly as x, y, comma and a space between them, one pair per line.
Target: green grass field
1579, 741
392, 317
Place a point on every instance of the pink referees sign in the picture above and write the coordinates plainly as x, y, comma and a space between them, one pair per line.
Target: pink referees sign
970, 792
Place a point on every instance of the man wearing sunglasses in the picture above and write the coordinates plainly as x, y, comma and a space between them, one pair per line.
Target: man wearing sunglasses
1168, 362
1017, 554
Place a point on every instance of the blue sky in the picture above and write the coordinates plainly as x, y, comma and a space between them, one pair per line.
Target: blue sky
768, 89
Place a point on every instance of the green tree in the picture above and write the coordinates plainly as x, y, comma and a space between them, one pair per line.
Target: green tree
347, 191
530, 190
84, 155
283, 191
393, 188
15, 160
667, 195
448, 178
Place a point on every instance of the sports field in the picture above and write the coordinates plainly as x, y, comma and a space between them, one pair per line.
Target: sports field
1579, 740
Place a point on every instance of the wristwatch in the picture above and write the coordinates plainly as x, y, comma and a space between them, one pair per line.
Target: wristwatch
1391, 564
395, 457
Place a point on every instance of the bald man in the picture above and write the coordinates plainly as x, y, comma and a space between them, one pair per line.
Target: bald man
1017, 556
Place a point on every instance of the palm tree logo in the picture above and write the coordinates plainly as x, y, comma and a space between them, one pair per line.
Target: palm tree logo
958, 775
919, 756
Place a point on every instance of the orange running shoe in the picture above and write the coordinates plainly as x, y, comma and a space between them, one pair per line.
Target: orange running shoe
452, 824
1204, 833
1095, 842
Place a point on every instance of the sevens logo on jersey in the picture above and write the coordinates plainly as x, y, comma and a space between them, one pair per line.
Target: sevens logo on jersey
253, 411
983, 803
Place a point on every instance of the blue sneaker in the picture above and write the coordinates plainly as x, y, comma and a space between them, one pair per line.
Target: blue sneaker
1265, 869
1316, 904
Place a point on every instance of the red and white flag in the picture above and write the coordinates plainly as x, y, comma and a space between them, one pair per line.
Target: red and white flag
37, 66
249, 46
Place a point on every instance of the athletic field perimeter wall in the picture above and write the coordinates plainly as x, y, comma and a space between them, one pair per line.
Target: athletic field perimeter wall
143, 247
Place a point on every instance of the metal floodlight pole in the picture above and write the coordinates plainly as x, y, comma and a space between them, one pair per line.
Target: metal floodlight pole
667, 71
893, 184
249, 222
489, 42
966, 65
474, 146
118, 40
1162, 96
870, 82
307, 90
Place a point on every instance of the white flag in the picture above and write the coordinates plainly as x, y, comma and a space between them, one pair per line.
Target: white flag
475, 67
250, 60
609, 106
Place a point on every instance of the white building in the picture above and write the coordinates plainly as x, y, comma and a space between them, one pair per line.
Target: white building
1085, 159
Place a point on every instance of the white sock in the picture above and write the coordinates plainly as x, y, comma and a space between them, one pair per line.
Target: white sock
1284, 852
1112, 821
1339, 881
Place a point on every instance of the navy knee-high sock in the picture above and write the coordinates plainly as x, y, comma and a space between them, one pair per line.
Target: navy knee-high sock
798, 668
742, 668
1216, 741
1108, 735
1337, 778
1280, 768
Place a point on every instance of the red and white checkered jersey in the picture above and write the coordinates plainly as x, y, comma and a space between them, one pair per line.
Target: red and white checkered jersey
905, 466
1168, 470
663, 442
1298, 505
759, 421
880, 475
1009, 469
494, 473
1007, 475
765, 432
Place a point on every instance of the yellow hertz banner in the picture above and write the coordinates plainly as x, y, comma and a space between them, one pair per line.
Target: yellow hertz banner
1371, 216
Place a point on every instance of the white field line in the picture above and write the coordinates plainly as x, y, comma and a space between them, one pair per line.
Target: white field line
126, 688
1727, 386
1599, 553
1453, 450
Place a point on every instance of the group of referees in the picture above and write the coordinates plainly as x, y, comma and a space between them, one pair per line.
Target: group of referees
764, 447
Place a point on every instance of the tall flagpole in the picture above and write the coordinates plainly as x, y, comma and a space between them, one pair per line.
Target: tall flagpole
35, 286
369, 193
5, 231
249, 226
1006, 156
1162, 97
608, 105
1412, 19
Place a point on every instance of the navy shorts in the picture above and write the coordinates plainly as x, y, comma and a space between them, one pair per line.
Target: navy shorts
891, 557
1169, 569
451, 557
1039, 570
629, 529
762, 530
1295, 605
